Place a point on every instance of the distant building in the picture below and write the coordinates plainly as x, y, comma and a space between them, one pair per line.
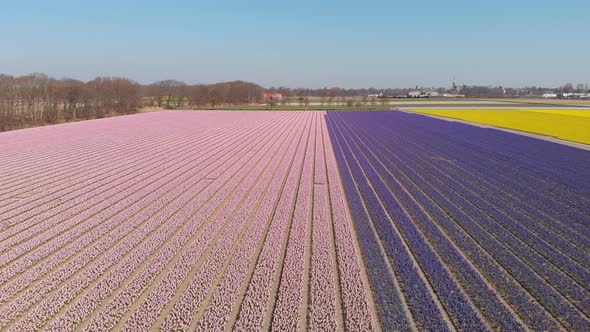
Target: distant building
379, 95
272, 96
574, 95
550, 95
415, 94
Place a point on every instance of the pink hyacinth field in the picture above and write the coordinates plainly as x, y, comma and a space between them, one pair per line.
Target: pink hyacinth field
179, 220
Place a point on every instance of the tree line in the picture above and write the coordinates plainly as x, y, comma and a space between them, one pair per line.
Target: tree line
36, 99
469, 91
334, 92
172, 94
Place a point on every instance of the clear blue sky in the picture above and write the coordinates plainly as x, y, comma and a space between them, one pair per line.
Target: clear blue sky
302, 43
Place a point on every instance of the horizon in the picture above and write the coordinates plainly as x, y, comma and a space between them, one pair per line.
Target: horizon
378, 88
343, 44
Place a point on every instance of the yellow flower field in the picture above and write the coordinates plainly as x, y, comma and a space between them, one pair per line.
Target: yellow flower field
582, 113
571, 125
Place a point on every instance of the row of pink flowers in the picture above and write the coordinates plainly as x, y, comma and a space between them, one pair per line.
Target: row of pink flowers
200, 220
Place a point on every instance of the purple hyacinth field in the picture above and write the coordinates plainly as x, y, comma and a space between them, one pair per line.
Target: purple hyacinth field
465, 228
289, 221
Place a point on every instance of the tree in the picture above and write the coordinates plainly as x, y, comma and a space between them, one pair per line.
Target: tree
168, 92
199, 95
8, 102
306, 102
214, 101
329, 101
73, 95
568, 88
32, 90
271, 103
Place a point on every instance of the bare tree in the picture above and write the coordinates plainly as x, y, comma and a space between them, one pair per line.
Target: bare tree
168, 92
73, 95
37, 99
271, 103
32, 92
301, 101
329, 101
214, 101
8, 102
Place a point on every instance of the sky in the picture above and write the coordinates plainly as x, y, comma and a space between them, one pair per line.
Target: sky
313, 44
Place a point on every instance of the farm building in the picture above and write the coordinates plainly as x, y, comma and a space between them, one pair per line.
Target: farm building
272, 96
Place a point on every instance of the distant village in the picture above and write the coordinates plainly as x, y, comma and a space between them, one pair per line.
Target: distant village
581, 91
567, 91
520, 93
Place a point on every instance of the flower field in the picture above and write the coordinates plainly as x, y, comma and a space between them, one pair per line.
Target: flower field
178, 221
467, 228
567, 124
284, 221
